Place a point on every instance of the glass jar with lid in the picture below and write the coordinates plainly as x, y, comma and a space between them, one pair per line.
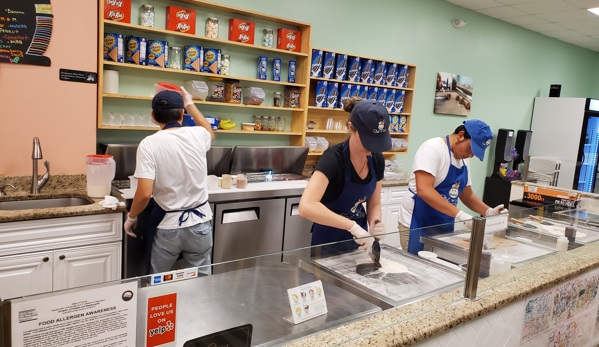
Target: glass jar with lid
257, 122
146, 16
277, 100
175, 58
225, 65
217, 90
268, 38
212, 28
272, 124
281, 123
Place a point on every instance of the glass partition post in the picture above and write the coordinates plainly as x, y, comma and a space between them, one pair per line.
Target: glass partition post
474, 257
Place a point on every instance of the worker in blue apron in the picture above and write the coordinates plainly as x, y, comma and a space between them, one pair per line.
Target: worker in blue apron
348, 175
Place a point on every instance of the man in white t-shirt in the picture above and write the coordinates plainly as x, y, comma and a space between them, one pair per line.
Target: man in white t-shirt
441, 175
171, 168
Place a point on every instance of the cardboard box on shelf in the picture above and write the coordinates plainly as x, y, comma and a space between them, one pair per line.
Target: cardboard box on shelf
118, 10
288, 40
181, 19
242, 31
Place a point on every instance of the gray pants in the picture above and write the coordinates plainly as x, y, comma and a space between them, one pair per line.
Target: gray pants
194, 243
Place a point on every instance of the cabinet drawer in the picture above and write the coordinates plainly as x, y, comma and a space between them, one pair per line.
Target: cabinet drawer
396, 194
47, 234
384, 195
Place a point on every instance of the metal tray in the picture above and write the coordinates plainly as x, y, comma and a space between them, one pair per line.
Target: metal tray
585, 233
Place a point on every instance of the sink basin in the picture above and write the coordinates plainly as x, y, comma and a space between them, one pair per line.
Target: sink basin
42, 203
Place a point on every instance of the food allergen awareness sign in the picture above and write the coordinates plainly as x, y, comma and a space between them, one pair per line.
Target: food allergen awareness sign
162, 319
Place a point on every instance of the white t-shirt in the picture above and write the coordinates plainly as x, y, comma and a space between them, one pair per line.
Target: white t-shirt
176, 161
432, 157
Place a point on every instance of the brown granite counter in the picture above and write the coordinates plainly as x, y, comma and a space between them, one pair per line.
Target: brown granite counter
395, 183
59, 186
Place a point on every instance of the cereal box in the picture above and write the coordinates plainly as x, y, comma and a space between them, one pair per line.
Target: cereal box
332, 94
288, 40
181, 19
379, 72
399, 98
211, 62
367, 65
402, 76
316, 67
390, 100
353, 70
372, 93
364, 92
241, 31
157, 53
381, 96
291, 71
262, 67
391, 75
118, 10
397, 123
276, 69
344, 94
136, 50
355, 91
328, 69
113, 47
341, 67
320, 99
193, 58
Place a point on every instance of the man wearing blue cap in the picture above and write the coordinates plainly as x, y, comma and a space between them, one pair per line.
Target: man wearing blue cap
441, 175
171, 168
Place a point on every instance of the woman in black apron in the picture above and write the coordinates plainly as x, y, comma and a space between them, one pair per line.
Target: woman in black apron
348, 175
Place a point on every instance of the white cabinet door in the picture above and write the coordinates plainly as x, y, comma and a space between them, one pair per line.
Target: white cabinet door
25, 274
80, 266
391, 214
396, 194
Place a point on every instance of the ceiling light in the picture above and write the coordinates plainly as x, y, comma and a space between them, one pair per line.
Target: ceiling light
594, 10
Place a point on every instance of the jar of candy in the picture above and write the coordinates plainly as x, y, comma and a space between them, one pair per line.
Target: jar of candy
277, 100
225, 65
217, 90
232, 91
175, 58
212, 28
146, 16
263, 123
268, 38
272, 124
280, 123
257, 123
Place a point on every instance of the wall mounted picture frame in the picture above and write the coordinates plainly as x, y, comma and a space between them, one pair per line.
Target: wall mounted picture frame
453, 94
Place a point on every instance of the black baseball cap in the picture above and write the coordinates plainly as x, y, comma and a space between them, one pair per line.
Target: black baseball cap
173, 100
371, 120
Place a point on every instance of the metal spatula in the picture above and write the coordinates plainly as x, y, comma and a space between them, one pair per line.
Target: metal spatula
375, 253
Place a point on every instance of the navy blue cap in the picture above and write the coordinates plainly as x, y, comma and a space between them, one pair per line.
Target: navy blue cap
481, 136
371, 120
173, 100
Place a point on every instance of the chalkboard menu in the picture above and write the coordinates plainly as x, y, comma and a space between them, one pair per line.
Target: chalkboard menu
25, 31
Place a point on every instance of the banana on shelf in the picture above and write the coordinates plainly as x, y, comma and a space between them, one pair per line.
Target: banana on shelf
225, 124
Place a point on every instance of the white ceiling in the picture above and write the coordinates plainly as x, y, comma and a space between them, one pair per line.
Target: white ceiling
565, 20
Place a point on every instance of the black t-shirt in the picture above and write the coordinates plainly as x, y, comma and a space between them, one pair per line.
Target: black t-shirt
331, 165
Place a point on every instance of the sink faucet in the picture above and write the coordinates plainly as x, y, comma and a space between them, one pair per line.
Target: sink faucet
37, 185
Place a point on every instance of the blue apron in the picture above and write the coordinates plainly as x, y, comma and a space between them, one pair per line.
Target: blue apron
424, 216
349, 205
158, 214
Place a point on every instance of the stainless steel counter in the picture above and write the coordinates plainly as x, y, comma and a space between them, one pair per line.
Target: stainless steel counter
256, 296
247, 194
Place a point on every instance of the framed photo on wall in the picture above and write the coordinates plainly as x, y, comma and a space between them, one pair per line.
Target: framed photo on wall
453, 94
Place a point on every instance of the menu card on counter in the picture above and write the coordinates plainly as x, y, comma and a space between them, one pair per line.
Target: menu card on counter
25, 31
306, 301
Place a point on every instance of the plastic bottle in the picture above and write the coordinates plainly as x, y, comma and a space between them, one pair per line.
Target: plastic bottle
562, 244
268, 176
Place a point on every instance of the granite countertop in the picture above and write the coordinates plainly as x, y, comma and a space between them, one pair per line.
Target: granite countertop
59, 186
413, 323
395, 183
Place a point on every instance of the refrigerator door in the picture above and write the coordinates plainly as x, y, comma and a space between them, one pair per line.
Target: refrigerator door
587, 157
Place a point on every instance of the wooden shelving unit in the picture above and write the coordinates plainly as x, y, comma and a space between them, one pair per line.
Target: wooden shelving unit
298, 115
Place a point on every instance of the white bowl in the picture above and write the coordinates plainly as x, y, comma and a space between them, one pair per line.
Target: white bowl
427, 255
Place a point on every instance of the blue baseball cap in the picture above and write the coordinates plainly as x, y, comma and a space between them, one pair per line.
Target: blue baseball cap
371, 120
480, 135
167, 100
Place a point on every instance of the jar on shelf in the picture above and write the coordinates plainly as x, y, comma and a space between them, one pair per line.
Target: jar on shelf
292, 98
225, 65
277, 100
175, 58
272, 124
232, 91
257, 122
146, 16
212, 28
263, 123
268, 38
281, 124
217, 90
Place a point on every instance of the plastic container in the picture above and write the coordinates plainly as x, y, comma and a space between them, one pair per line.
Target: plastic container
100, 170
292, 98
213, 182
562, 244
253, 96
217, 90
249, 126
212, 28
232, 91
321, 144
162, 86
312, 144
197, 89
427, 255
132, 183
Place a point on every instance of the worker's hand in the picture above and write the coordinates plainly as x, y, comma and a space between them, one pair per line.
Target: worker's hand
362, 237
465, 218
496, 210
130, 224
378, 230
187, 98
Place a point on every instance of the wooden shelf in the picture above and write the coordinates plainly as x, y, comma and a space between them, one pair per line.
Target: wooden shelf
360, 83
211, 103
342, 110
200, 38
204, 74
318, 154
284, 133
118, 127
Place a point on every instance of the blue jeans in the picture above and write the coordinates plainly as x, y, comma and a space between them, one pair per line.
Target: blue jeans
194, 243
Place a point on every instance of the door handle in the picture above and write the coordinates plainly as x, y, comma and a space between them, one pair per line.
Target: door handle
295, 209
46, 259
241, 215
61, 257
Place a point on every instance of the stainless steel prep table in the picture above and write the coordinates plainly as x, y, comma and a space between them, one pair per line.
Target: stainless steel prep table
256, 296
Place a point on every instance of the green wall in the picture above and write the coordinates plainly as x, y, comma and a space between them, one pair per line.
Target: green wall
509, 65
